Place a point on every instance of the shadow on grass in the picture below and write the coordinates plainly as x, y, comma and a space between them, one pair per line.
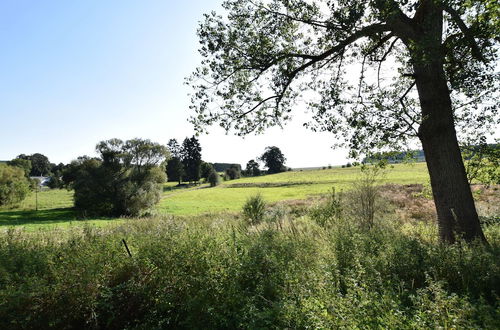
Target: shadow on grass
46, 216
181, 186
177, 187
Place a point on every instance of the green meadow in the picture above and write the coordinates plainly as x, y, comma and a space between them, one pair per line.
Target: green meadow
55, 206
292, 185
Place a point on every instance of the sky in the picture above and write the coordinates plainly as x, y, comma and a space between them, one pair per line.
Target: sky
73, 73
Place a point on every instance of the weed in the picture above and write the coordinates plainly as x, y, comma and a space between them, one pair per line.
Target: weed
254, 209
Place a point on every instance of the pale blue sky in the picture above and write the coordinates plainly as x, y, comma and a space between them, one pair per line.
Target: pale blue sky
73, 73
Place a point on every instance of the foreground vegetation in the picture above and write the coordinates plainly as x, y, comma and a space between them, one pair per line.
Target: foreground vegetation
221, 272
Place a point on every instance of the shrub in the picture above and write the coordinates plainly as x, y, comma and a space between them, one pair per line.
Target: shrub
233, 172
213, 178
14, 185
327, 213
365, 196
125, 181
254, 209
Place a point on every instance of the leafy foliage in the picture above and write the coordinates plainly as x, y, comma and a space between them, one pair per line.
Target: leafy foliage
191, 159
14, 186
206, 169
482, 162
274, 160
262, 57
213, 178
40, 164
252, 168
25, 164
215, 272
233, 172
328, 212
254, 209
126, 180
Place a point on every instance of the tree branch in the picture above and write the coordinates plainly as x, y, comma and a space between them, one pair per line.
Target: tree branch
476, 52
338, 50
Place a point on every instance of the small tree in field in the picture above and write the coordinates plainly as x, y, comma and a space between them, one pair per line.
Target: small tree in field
14, 185
126, 180
205, 170
213, 178
365, 197
252, 168
274, 160
233, 172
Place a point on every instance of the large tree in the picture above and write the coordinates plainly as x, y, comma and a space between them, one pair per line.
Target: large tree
175, 168
40, 164
423, 67
191, 159
274, 160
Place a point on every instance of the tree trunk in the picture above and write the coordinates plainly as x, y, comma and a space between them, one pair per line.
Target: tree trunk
457, 215
452, 195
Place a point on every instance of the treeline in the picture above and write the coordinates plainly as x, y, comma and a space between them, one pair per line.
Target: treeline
126, 178
395, 156
468, 152
186, 164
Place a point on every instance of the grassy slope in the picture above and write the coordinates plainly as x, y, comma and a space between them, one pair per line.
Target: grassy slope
231, 195
55, 205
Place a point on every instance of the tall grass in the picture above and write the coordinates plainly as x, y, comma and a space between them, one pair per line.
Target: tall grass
218, 272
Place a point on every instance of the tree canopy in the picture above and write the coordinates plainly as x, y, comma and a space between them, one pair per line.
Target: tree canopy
125, 180
252, 168
191, 159
274, 160
14, 186
40, 164
377, 74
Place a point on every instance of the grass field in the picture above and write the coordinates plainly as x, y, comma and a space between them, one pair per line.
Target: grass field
231, 195
55, 206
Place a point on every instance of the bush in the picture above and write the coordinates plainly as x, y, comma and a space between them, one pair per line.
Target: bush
55, 182
213, 178
125, 181
365, 196
14, 186
234, 172
254, 209
330, 211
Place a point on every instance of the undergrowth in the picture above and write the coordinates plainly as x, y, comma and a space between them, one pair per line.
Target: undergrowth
218, 272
